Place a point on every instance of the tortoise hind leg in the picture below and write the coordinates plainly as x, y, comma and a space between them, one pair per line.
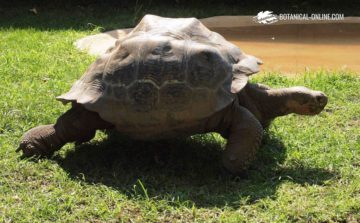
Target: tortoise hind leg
244, 139
76, 125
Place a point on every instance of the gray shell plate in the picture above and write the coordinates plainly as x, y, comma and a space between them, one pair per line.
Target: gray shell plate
165, 75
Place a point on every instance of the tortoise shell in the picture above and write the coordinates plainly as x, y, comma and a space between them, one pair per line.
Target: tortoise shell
164, 75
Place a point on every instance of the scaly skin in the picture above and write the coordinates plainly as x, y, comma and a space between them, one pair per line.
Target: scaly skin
241, 122
244, 139
256, 106
76, 125
267, 104
243, 133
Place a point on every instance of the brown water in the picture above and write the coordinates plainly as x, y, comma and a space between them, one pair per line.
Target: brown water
286, 48
294, 48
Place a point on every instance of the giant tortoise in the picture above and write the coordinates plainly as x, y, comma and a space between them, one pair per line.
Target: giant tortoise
169, 78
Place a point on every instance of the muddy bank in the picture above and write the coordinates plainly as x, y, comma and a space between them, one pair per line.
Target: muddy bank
293, 48
289, 47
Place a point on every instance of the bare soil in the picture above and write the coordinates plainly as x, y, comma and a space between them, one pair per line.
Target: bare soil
289, 47
293, 48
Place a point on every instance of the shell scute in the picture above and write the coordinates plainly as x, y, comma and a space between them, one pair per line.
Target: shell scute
143, 96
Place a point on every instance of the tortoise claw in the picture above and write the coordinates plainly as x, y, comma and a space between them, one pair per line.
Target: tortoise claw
28, 149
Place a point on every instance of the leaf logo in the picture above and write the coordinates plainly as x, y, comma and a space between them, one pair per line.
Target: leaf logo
265, 17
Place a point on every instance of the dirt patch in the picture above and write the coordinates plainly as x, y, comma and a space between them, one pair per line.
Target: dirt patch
289, 47
293, 48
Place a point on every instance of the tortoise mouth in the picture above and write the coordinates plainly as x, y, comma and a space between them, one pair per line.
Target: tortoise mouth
318, 104
314, 110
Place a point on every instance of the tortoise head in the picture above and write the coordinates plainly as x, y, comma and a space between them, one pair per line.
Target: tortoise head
266, 103
304, 101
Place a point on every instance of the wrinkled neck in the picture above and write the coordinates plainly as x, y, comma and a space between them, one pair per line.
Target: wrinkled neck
265, 104
273, 103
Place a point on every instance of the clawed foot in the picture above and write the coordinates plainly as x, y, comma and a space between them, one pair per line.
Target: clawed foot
36, 142
29, 149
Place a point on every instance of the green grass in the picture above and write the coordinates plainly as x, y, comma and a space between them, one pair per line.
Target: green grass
307, 169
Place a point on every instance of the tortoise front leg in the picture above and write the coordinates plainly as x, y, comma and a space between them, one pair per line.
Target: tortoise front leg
76, 125
244, 139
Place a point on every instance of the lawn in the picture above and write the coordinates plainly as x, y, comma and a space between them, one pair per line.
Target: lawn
308, 168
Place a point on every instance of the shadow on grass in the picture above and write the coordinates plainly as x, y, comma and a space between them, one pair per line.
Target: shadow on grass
114, 14
183, 171
88, 17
